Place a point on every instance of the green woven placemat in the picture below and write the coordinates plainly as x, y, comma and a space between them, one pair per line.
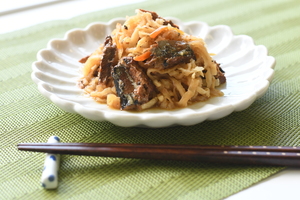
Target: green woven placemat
26, 116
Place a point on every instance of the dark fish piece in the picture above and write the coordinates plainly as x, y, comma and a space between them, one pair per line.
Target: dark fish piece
109, 60
168, 53
133, 85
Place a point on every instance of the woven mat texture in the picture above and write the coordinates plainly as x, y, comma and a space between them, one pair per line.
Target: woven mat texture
26, 116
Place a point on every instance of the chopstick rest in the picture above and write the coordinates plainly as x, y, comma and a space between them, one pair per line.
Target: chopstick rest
49, 179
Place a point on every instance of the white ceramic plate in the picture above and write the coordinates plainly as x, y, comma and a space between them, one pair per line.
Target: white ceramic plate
248, 68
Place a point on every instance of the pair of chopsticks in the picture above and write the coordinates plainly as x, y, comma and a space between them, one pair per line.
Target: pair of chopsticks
254, 155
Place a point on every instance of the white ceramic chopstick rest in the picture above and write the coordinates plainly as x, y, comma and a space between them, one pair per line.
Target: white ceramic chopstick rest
49, 179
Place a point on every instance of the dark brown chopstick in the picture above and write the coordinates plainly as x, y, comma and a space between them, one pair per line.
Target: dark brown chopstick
256, 155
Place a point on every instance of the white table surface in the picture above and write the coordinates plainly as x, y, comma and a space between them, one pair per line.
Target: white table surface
19, 14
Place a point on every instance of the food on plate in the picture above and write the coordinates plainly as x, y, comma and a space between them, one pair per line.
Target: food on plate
148, 62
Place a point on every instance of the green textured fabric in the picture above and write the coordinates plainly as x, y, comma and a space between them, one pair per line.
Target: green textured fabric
26, 116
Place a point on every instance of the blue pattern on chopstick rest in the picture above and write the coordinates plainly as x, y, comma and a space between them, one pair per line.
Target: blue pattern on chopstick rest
56, 138
53, 157
49, 179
